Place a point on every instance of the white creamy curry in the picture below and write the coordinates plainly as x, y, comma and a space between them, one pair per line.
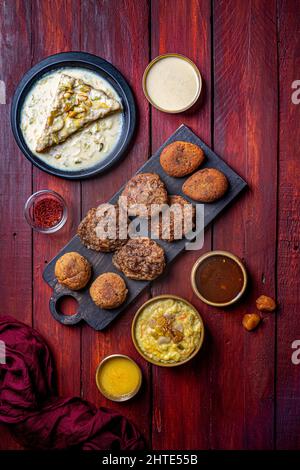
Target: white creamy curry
91, 143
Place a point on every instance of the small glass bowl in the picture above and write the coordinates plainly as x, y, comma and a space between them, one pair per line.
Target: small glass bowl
38, 196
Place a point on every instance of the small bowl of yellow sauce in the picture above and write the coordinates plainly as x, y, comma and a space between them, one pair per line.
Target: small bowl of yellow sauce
118, 377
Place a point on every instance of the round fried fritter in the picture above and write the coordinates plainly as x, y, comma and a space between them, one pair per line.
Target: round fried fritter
87, 229
265, 303
73, 270
146, 189
108, 291
168, 232
181, 158
141, 259
206, 185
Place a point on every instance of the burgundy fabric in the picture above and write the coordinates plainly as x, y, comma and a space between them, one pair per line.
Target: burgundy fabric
40, 419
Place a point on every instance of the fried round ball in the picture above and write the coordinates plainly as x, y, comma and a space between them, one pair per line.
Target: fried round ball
168, 231
181, 158
265, 303
146, 189
251, 321
141, 259
73, 270
108, 291
206, 185
97, 218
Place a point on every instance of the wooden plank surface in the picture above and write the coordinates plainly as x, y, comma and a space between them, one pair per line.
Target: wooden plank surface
15, 176
288, 374
56, 24
245, 133
117, 30
229, 396
185, 29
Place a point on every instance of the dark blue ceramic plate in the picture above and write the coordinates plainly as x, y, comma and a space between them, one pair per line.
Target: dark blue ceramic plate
105, 70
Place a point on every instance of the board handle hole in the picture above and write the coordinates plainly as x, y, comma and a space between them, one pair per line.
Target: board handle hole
67, 305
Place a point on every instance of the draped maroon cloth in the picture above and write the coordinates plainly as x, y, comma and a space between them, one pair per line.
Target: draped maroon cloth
38, 418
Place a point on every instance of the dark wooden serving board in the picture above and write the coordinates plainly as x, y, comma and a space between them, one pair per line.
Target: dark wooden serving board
102, 262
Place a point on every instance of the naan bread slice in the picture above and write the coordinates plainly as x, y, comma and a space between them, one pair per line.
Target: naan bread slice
75, 105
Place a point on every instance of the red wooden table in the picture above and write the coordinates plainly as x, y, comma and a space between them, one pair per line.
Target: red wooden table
242, 391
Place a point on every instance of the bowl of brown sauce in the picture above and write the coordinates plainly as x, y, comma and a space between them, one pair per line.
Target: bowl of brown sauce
219, 278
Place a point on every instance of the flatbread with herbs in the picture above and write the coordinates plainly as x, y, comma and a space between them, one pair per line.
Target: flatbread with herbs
75, 105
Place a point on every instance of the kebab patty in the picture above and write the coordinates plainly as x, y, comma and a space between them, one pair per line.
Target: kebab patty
73, 270
181, 158
141, 259
108, 291
206, 185
87, 230
146, 189
168, 231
